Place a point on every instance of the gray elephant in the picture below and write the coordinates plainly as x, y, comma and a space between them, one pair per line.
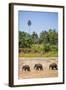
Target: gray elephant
26, 68
38, 67
53, 66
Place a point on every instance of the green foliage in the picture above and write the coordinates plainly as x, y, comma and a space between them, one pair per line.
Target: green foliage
24, 50
35, 38
46, 48
25, 40
53, 37
46, 44
44, 37
54, 48
37, 48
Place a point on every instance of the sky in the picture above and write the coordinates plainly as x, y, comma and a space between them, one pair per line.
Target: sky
40, 21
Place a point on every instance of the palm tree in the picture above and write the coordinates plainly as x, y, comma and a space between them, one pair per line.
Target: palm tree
29, 24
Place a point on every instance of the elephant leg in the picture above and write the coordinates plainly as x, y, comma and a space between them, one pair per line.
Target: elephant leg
56, 68
25, 69
37, 68
29, 69
41, 68
52, 68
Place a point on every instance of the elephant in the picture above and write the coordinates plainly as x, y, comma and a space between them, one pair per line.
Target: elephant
53, 66
38, 67
26, 68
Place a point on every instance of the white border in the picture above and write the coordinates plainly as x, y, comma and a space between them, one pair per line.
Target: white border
60, 45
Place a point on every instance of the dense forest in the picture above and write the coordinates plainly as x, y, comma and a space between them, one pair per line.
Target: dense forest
44, 44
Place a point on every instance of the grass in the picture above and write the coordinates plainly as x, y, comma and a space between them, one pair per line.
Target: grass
48, 54
38, 51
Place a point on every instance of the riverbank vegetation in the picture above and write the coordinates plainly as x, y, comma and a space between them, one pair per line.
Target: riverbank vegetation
43, 45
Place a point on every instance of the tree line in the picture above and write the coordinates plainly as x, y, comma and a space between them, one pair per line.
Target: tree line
49, 39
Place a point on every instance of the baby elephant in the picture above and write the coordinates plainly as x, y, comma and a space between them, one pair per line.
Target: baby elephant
53, 66
38, 67
26, 68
